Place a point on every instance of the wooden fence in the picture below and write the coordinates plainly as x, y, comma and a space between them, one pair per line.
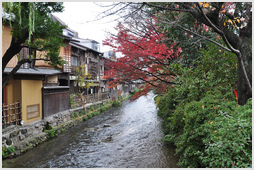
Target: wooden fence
90, 98
11, 114
54, 100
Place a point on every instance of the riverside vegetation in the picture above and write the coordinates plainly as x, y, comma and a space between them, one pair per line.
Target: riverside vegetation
203, 90
202, 117
83, 115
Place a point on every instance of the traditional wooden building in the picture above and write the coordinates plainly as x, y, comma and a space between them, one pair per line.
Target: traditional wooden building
92, 63
85, 55
37, 90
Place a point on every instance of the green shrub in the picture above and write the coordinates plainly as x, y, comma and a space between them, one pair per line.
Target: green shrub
91, 108
96, 113
103, 108
7, 151
76, 114
85, 118
201, 116
89, 115
116, 103
83, 112
212, 132
230, 141
135, 91
72, 100
120, 98
52, 132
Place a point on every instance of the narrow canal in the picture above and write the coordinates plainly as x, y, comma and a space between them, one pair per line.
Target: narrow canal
124, 137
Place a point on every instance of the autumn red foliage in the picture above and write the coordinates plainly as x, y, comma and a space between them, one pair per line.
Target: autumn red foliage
145, 58
235, 93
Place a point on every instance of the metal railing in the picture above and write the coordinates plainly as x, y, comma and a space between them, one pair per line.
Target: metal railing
11, 114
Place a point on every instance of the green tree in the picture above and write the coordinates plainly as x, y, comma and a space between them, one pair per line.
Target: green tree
32, 28
216, 70
83, 79
201, 116
232, 22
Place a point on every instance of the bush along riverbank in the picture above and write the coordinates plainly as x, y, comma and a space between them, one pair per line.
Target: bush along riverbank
202, 118
50, 128
77, 117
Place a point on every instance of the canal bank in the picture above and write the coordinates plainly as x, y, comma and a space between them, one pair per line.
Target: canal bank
122, 137
17, 140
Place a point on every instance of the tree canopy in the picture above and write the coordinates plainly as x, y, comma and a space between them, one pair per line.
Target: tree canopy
207, 108
145, 58
231, 22
32, 28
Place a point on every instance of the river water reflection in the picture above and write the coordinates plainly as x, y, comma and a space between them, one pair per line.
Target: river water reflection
124, 137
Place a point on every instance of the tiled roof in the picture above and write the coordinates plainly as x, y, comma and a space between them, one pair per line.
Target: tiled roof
62, 23
34, 71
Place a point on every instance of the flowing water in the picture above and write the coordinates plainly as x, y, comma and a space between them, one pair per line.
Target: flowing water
124, 137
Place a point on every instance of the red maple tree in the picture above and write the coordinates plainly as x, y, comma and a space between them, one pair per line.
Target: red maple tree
145, 58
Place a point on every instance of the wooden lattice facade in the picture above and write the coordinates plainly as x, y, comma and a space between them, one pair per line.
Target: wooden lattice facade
67, 58
11, 114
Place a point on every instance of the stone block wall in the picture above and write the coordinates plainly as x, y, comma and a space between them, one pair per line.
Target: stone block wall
25, 137
15, 134
57, 119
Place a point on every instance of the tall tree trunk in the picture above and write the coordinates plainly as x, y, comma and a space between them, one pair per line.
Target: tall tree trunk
246, 51
14, 70
14, 49
10, 53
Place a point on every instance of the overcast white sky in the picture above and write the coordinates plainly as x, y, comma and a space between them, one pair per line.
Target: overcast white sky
77, 16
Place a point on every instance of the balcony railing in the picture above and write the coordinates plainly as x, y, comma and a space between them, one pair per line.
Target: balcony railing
66, 68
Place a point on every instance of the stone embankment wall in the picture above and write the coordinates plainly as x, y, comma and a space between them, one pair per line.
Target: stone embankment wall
28, 136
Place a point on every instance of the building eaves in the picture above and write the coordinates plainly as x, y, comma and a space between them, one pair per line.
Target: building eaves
34, 71
69, 38
92, 41
62, 23
87, 48
78, 46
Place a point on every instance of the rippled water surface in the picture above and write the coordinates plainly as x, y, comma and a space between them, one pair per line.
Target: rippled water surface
124, 137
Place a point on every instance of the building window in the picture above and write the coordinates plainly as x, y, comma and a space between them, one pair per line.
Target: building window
24, 53
101, 71
74, 61
33, 111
